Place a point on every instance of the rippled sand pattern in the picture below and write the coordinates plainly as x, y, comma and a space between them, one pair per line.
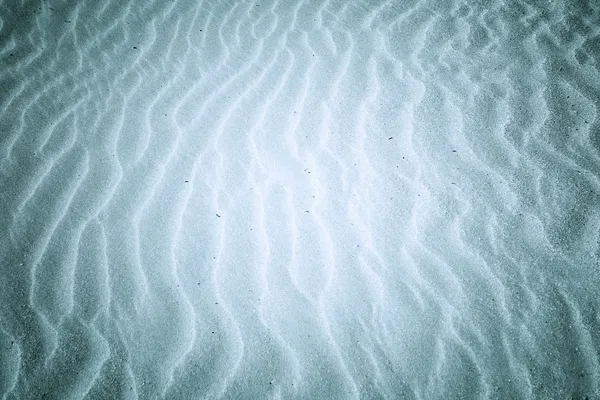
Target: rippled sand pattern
299, 199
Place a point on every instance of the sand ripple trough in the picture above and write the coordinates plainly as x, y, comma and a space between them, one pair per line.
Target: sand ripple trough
300, 200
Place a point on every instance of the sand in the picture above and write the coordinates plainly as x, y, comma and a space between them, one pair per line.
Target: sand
299, 200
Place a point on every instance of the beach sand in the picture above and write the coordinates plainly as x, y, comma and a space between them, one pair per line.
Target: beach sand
300, 200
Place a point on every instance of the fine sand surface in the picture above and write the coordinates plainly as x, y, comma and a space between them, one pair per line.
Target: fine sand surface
283, 199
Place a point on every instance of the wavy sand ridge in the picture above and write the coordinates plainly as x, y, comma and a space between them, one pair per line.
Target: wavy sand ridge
299, 200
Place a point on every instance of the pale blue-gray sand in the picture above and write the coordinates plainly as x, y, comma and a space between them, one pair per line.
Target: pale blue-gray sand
300, 200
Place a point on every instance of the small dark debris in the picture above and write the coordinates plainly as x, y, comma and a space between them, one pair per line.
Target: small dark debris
390, 138
454, 151
66, 20
218, 215
306, 211
135, 47
186, 181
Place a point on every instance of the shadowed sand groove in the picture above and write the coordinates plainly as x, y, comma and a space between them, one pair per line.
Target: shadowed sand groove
299, 200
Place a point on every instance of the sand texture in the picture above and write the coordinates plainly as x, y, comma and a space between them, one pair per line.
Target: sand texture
280, 199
